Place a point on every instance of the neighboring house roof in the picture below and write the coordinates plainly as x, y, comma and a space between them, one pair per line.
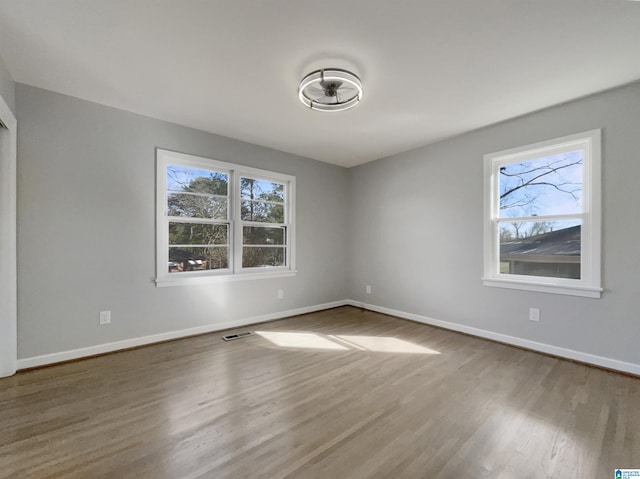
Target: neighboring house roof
176, 254
554, 244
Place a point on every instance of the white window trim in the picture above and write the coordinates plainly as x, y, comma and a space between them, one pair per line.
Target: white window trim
590, 283
235, 272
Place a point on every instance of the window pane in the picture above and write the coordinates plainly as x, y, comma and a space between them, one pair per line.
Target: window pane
257, 256
198, 258
196, 180
253, 189
197, 206
543, 186
262, 212
256, 235
196, 193
197, 234
541, 248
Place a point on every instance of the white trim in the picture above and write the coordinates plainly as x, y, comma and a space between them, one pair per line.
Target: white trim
53, 358
221, 278
566, 353
567, 217
541, 287
8, 242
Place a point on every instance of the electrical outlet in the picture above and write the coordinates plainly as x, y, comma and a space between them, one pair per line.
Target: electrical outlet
281, 294
105, 317
534, 314
368, 289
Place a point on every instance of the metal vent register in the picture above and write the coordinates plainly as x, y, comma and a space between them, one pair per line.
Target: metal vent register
231, 337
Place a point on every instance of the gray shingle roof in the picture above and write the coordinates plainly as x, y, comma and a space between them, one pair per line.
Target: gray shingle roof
564, 242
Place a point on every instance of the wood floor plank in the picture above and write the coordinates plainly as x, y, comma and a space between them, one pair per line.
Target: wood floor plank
343, 393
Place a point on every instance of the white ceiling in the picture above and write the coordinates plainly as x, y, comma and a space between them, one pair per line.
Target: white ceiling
430, 68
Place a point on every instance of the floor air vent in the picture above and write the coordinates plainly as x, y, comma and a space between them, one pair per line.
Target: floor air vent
231, 337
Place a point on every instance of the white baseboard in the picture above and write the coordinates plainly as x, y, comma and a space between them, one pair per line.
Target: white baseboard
601, 361
156, 338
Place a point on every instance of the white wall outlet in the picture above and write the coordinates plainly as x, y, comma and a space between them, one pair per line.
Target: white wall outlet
281, 294
105, 317
534, 314
367, 289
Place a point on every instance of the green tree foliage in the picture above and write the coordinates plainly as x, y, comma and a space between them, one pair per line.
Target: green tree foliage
205, 197
202, 197
262, 202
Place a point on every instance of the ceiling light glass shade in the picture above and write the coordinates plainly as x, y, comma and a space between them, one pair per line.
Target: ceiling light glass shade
330, 89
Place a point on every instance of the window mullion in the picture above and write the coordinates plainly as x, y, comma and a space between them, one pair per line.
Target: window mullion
264, 224
515, 219
196, 193
193, 219
237, 229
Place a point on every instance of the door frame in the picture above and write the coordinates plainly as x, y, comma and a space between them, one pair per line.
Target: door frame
8, 242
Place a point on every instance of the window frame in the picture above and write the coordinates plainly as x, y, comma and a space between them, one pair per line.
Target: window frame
235, 271
240, 224
589, 284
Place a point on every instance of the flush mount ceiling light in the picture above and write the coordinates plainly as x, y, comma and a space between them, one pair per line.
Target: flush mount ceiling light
330, 89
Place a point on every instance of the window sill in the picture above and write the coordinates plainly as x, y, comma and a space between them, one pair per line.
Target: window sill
197, 280
541, 287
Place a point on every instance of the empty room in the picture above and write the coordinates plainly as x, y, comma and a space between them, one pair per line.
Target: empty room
340, 239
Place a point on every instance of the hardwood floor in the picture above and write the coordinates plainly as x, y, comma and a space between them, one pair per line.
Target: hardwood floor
343, 393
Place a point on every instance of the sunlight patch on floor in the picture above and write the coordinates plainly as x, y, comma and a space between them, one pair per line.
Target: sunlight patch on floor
386, 344
300, 340
381, 344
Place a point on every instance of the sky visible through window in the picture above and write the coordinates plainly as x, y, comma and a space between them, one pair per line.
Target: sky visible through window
549, 185
181, 177
253, 188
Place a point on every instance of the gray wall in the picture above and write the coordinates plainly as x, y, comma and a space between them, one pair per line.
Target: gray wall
417, 223
7, 87
86, 186
409, 225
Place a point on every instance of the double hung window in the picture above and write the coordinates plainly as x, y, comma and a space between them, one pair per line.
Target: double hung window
218, 219
542, 216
